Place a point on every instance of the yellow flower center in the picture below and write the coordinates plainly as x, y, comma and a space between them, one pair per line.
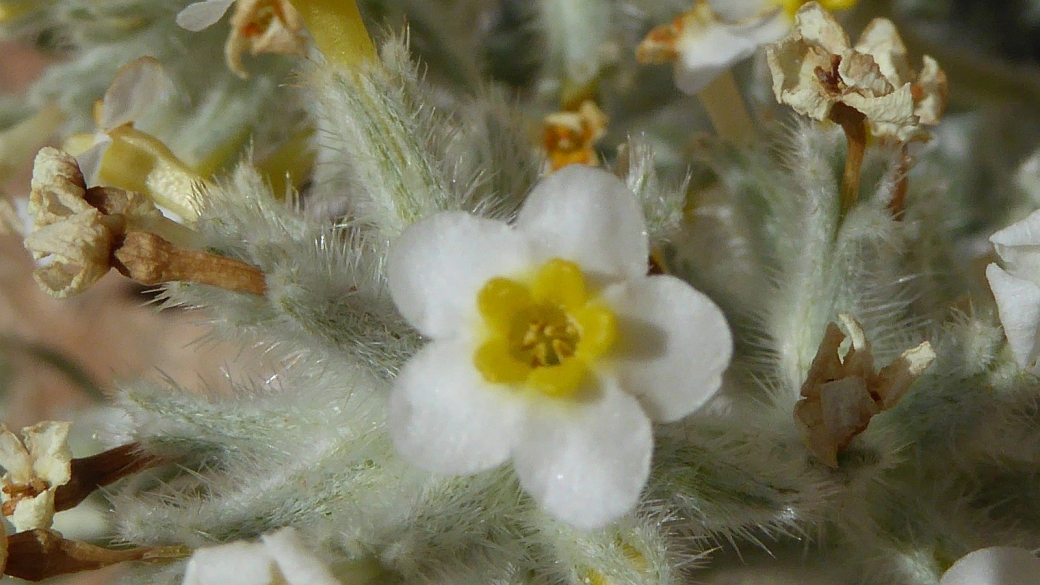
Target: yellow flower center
792, 6
544, 333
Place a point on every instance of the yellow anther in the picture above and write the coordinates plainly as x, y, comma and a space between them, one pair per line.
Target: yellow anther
545, 334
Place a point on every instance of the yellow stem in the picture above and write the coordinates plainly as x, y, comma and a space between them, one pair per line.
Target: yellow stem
338, 30
727, 111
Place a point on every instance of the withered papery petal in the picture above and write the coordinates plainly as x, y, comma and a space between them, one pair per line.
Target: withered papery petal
76, 252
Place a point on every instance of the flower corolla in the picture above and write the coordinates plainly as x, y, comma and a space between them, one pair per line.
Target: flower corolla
717, 34
998, 565
279, 558
550, 346
1016, 287
35, 468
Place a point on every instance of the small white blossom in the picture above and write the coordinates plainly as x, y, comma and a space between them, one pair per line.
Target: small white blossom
1016, 287
35, 468
279, 558
137, 86
551, 346
999, 565
717, 34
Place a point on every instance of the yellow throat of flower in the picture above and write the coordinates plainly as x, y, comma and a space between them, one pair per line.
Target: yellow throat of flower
792, 6
544, 334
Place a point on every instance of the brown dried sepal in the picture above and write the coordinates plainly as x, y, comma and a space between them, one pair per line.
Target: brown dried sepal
840, 396
149, 259
90, 473
35, 555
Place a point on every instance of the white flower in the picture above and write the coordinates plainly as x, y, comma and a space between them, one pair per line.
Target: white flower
999, 565
120, 155
259, 26
279, 558
717, 34
1016, 287
35, 468
137, 86
550, 346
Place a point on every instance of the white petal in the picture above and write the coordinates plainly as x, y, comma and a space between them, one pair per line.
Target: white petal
138, 85
89, 161
297, 564
1019, 246
589, 216
200, 15
33, 513
705, 54
444, 417
999, 565
436, 268
237, 563
586, 464
673, 344
1018, 304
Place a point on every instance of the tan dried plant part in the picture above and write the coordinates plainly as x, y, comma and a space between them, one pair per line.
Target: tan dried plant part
840, 396
816, 67
39, 554
79, 234
263, 26
569, 136
35, 467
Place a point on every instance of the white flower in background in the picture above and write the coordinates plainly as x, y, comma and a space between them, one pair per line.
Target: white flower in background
137, 86
259, 26
279, 558
35, 468
120, 155
717, 34
999, 565
1016, 287
816, 68
551, 346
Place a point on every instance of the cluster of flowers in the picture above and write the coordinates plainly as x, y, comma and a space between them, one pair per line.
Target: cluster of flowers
550, 344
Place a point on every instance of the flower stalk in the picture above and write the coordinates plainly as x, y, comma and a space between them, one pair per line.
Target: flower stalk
338, 31
35, 555
97, 471
150, 259
727, 110
854, 123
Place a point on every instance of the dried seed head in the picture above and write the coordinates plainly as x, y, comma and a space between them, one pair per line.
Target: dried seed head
841, 395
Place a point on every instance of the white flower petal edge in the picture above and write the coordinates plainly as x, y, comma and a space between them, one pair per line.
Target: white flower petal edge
280, 557
202, 15
1018, 305
437, 266
297, 564
589, 217
676, 345
586, 464
137, 86
705, 56
446, 418
1018, 245
999, 565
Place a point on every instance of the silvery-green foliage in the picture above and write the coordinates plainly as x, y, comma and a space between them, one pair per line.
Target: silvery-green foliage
387, 157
